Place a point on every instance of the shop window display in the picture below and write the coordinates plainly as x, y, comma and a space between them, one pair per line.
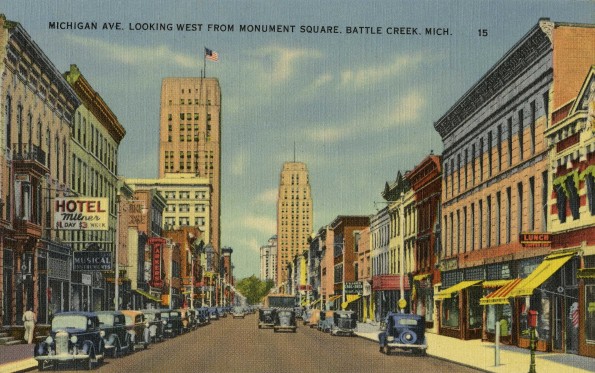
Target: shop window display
450, 312
474, 308
590, 313
502, 313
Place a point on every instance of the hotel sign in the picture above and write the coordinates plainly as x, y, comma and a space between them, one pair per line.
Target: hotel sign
535, 240
81, 213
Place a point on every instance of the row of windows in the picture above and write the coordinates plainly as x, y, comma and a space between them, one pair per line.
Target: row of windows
484, 223
190, 138
185, 207
169, 194
474, 158
185, 221
90, 182
98, 145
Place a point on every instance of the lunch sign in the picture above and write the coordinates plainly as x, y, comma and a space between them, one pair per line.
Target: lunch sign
81, 213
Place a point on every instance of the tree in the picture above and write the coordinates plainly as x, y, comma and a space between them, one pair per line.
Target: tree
254, 289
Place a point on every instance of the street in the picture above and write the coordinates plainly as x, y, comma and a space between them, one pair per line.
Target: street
237, 345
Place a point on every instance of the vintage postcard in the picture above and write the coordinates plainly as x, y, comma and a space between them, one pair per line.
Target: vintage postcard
239, 186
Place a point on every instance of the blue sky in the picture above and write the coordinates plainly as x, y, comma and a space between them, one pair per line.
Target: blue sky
359, 107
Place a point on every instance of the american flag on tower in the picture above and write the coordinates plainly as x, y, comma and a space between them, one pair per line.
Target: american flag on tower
211, 55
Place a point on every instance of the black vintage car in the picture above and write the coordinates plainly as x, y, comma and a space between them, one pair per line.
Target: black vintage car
203, 316
213, 313
404, 331
344, 323
116, 337
75, 338
285, 320
173, 325
156, 324
266, 317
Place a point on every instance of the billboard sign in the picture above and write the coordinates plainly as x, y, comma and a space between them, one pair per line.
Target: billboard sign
81, 213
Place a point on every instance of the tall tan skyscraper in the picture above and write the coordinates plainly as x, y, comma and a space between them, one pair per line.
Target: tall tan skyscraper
190, 136
294, 215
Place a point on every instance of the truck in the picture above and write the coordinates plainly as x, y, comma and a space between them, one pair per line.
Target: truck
279, 301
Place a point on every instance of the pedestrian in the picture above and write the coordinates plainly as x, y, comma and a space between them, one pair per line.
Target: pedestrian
29, 319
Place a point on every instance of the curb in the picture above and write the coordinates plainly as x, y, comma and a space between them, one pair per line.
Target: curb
430, 354
24, 365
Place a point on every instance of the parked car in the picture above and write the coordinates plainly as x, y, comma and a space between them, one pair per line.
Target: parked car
344, 323
75, 338
237, 312
285, 320
222, 311
314, 318
173, 325
156, 324
203, 316
213, 313
326, 321
138, 328
298, 312
404, 331
266, 317
116, 337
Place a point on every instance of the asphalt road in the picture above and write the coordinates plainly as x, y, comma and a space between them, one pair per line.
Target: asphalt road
237, 345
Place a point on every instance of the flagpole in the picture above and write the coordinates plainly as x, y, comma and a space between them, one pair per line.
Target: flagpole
204, 63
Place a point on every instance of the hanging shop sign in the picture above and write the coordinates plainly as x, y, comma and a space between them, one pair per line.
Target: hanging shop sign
81, 213
356, 287
92, 261
535, 239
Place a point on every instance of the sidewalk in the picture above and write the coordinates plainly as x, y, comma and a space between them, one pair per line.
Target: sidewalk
17, 358
480, 355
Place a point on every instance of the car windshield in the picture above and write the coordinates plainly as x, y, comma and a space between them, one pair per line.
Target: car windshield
407, 322
237, 310
175, 313
106, 319
130, 319
165, 315
150, 316
69, 321
344, 315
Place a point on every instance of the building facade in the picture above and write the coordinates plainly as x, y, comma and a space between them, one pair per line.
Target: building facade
188, 200
268, 260
36, 120
384, 283
95, 137
190, 137
571, 215
294, 215
496, 185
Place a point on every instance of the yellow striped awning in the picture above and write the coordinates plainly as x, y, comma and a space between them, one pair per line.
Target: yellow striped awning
545, 270
501, 295
447, 293
421, 277
495, 283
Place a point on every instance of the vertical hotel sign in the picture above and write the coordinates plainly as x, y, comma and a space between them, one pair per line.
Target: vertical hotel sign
81, 213
156, 245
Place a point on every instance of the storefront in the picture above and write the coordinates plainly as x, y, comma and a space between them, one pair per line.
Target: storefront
551, 290
55, 284
461, 315
498, 307
586, 310
387, 293
422, 298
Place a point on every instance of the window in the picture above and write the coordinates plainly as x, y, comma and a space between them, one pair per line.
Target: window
473, 164
499, 147
459, 173
481, 159
465, 229
465, 163
508, 213
490, 153
489, 221
480, 216
590, 181
498, 222
573, 197
532, 128
521, 133
452, 176
509, 142
520, 206
531, 204
472, 226
446, 179
182, 114
544, 200
7, 121
546, 106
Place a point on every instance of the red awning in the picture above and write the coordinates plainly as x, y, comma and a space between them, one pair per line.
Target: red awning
390, 282
501, 295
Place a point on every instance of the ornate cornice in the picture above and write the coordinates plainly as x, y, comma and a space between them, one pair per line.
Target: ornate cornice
517, 60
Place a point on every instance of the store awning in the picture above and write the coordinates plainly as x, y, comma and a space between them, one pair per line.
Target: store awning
501, 295
314, 303
447, 293
545, 270
491, 284
333, 298
147, 295
350, 298
421, 277
586, 273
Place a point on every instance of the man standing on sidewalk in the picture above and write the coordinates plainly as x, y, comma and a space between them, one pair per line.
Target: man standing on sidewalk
29, 319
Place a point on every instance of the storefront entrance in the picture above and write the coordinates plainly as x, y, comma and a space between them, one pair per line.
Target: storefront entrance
565, 321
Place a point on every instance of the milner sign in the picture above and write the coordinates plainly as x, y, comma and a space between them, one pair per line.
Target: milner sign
81, 213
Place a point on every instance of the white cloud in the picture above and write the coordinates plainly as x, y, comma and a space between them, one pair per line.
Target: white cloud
263, 224
268, 196
238, 164
371, 75
134, 55
284, 61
